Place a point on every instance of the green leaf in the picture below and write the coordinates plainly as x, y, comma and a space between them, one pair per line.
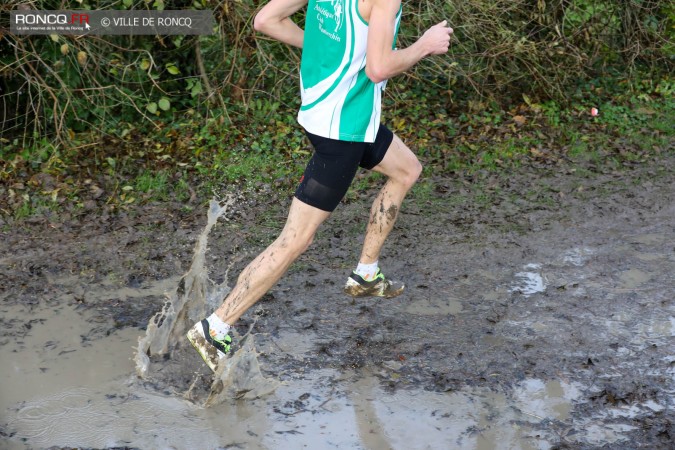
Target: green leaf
127, 3
177, 40
159, 5
152, 107
145, 64
164, 104
196, 89
173, 70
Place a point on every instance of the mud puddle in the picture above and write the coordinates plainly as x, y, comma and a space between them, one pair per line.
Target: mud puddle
77, 393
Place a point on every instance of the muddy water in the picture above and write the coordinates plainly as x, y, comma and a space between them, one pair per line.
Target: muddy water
85, 394
77, 393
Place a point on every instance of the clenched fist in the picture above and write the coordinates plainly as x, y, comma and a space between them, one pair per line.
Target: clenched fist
436, 40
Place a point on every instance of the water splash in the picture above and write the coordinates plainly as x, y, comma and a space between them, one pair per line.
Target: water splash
238, 376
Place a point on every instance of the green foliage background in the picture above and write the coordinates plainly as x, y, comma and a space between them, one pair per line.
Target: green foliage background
501, 50
132, 115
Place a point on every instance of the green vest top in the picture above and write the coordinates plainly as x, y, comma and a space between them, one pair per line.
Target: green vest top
338, 100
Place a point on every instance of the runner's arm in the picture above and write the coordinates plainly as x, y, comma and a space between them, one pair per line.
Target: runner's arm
274, 21
383, 62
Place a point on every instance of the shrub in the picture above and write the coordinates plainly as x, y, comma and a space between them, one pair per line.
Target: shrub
502, 49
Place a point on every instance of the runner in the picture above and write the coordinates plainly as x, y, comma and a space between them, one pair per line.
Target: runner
341, 99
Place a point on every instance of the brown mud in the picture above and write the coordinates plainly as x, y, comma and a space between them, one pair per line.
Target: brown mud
542, 317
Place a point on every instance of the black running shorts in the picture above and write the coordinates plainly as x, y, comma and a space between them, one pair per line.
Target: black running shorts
333, 166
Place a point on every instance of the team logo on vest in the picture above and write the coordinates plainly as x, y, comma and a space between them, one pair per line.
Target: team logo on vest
337, 7
337, 16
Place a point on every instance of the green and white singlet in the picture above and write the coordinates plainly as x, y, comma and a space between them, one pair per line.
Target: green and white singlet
338, 100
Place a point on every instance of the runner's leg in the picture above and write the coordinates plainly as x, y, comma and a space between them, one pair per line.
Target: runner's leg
268, 267
402, 168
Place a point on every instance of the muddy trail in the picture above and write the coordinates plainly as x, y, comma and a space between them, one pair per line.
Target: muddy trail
538, 314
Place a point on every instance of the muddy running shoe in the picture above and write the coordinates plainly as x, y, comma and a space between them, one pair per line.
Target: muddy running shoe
211, 349
377, 287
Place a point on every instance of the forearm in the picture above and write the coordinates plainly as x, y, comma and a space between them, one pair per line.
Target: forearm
395, 62
382, 61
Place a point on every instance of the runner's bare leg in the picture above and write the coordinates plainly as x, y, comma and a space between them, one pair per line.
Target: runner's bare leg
402, 168
270, 265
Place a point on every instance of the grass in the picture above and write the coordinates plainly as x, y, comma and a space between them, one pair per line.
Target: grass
154, 185
262, 152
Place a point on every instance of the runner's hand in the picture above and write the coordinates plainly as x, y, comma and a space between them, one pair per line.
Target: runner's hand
437, 38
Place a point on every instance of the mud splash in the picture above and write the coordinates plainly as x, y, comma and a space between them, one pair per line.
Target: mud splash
162, 356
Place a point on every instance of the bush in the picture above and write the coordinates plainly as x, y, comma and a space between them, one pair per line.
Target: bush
63, 85
504, 48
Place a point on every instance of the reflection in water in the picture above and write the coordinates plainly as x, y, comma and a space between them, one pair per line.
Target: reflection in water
90, 397
530, 281
577, 256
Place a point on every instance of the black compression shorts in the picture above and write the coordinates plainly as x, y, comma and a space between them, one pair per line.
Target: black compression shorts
333, 166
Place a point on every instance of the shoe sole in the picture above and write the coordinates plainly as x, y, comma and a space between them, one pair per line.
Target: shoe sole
358, 291
207, 351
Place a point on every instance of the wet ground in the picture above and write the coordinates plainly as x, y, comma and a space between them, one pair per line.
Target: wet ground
539, 314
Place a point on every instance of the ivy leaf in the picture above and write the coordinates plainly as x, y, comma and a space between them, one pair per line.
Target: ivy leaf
152, 107
164, 104
196, 89
177, 40
173, 70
